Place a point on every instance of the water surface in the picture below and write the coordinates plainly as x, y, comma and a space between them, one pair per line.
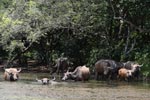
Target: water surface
28, 89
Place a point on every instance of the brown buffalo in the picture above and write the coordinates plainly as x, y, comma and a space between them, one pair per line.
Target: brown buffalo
107, 69
11, 74
125, 74
81, 73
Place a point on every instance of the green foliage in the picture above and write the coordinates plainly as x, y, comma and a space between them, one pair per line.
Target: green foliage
83, 30
143, 57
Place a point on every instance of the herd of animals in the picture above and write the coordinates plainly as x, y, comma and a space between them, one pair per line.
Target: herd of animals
104, 69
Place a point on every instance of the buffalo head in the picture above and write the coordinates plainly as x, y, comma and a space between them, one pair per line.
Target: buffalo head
12, 74
136, 67
67, 75
129, 73
45, 81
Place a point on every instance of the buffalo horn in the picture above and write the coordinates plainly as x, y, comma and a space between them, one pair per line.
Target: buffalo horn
19, 70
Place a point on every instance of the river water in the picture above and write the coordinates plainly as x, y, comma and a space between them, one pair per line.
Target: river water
28, 89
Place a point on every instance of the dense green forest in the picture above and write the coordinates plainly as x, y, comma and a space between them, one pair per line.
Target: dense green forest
82, 30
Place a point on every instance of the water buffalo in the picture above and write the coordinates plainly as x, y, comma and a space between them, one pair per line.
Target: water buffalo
135, 67
61, 65
46, 81
11, 74
125, 74
107, 69
81, 73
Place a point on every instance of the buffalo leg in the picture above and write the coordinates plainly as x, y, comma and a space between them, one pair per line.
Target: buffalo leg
96, 75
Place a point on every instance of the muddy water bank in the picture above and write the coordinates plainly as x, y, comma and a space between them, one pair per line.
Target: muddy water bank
28, 89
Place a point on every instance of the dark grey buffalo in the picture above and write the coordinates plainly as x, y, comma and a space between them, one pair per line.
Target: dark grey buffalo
134, 67
61, 65
107, 69
81, 73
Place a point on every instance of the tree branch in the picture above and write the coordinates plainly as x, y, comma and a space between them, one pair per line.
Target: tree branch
132, 47
130, 23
